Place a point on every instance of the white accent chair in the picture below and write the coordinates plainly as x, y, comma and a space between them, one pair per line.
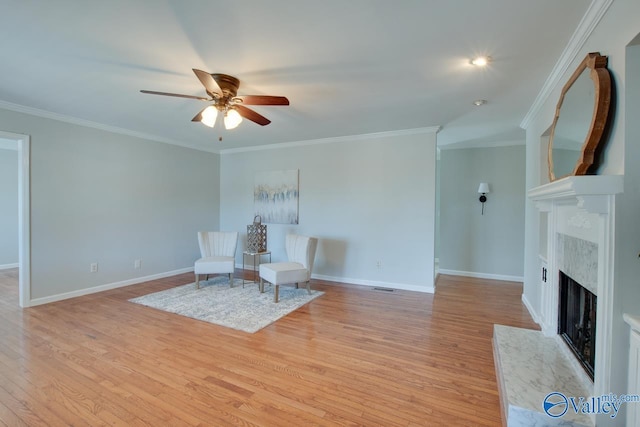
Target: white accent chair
301, 251
218, 251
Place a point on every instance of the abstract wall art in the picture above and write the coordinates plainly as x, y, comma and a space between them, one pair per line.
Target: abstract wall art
275, 196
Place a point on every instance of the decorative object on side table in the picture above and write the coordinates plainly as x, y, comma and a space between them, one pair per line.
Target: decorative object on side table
257, 236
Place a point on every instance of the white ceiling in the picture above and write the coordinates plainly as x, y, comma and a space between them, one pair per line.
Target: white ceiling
348, 67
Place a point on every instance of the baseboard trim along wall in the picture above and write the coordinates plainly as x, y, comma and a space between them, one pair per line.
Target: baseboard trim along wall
482, 275
8, 266
402, 286
108, 286
530, 309
374, 284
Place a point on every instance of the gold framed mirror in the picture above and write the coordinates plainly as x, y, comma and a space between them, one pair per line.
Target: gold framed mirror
580, 119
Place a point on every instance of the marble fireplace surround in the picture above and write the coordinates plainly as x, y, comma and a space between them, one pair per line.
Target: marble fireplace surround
581, 215
580, 225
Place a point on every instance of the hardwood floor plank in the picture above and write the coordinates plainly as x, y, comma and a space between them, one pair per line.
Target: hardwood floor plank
353, 357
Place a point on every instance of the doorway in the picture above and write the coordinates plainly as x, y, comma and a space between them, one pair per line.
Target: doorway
22, 143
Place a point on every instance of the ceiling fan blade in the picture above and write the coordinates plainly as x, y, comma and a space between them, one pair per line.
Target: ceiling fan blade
263, 100
249, 114
208, 82
198, 117
178, 95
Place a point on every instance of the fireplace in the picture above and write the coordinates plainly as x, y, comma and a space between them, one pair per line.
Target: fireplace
577, 321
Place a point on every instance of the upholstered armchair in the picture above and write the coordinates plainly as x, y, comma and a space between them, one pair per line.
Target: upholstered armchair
301, 252
218, 250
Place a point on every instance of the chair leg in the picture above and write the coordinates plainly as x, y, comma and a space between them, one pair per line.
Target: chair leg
197, 281
308, 288
230, 280
261, 287
275, 293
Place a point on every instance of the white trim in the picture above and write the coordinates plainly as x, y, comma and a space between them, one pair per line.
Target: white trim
343, 139
594, 13
87, 123
107, 287
24, 214
587, 189
373, 283
403, 286
605, 308
363, 282
8, 144
8, 266
24, 219
477, 275
490, 144
534, 315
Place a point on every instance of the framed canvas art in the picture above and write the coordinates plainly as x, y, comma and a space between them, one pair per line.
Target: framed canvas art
275, 196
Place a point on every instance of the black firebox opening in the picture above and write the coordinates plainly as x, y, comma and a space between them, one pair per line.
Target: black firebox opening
577, 321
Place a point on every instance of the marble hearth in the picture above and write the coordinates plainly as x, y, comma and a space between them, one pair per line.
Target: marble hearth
577, 214
530, 366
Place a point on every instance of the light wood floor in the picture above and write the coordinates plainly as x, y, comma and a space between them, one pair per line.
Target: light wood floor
354, 357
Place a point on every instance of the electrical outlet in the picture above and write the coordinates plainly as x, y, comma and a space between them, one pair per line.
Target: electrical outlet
137, 264
378, 264
93, 267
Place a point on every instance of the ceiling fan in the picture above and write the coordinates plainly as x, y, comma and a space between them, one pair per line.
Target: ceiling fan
223, 92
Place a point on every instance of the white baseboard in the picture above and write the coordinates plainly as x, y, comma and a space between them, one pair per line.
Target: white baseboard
8, 266
403, 286
108, 286
532, 312
373, 283
482, 275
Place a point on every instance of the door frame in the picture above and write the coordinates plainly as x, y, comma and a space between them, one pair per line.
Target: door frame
24, 214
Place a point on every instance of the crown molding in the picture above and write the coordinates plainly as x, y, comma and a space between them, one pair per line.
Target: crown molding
591, 18
114, 129
492, 144
87, 123
343, 139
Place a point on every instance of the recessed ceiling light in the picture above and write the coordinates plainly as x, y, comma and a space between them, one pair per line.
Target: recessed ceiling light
480, 61
479, 102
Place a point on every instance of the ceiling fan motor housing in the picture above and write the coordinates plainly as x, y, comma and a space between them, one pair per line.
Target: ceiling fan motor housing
229, 86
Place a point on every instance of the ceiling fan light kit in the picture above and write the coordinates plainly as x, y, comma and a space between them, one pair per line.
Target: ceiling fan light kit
209, 116
480, 61
223, 93
232, 119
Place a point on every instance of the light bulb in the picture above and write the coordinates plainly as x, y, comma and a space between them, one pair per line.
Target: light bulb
480, 61
209, 116
232, 119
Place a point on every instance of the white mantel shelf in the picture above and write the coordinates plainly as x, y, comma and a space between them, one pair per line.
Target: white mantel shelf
587, 189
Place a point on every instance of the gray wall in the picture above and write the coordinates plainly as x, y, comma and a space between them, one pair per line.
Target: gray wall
370, 199
491, 244
8, 207
628, 203
98, 196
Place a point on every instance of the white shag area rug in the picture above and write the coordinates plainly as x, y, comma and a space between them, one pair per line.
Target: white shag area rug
244, 309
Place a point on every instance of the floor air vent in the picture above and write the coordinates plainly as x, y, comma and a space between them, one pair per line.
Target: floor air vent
383, 289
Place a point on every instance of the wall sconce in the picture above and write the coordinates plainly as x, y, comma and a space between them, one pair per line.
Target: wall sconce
483, 190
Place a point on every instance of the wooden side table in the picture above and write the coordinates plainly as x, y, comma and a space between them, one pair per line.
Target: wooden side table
257, 259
